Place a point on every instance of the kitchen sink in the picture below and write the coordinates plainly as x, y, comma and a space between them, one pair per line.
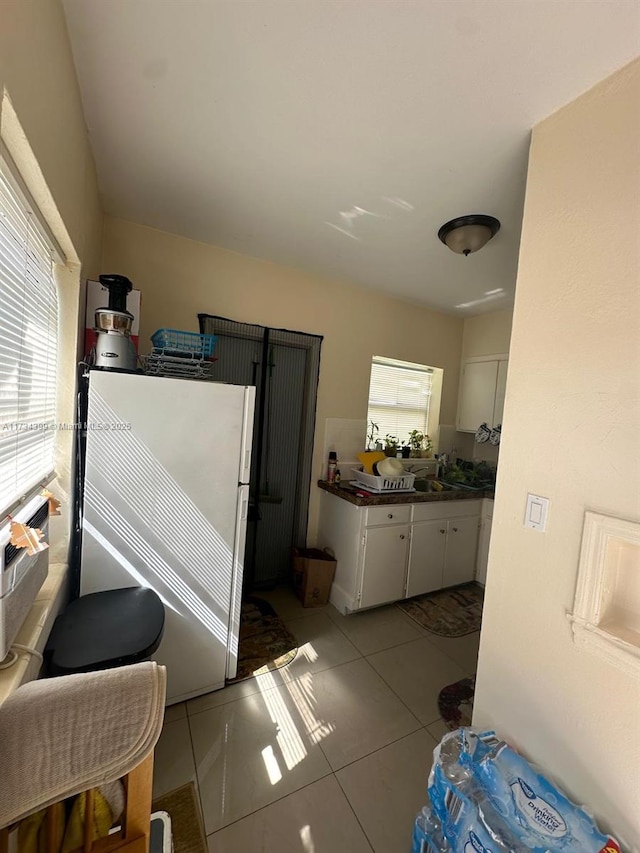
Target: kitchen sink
426, 485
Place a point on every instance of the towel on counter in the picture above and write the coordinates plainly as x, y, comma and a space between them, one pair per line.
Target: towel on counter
61, 736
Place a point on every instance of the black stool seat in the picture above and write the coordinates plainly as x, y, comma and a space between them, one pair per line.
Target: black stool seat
106, 629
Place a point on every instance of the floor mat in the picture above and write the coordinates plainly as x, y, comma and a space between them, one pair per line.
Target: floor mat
265, 642
186, 822
448, 612
455, 703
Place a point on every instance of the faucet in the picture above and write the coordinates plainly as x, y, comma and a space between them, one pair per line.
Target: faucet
417, 470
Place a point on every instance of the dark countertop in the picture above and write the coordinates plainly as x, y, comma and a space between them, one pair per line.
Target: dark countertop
348, 493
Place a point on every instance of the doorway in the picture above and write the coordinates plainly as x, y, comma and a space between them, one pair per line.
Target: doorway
284, 367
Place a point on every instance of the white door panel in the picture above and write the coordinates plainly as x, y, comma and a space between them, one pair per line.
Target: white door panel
477, 395
160, 510
385, 564
116, 553
426, 558
183, 442
460, 558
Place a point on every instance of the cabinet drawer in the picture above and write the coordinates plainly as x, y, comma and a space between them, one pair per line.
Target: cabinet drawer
445, 509
400, 514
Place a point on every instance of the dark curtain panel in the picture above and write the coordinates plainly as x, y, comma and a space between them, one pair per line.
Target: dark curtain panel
284, 367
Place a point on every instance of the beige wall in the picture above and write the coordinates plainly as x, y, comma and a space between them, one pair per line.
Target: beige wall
38, 74
488, 334
42, 125
180, 277
571, 433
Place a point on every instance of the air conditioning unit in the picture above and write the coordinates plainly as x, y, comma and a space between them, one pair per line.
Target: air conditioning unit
21, 576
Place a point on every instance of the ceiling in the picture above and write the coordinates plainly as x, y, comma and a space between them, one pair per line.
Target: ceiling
337, 137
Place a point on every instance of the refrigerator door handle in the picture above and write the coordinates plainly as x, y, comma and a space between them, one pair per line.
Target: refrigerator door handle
236, 585
247, 434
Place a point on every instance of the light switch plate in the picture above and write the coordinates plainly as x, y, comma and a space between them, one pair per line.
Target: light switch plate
536, 513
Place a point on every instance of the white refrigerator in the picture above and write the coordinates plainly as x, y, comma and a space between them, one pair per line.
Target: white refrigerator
165, 506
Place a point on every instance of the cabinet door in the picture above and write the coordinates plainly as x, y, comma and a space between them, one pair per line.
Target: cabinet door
426, 556
501, 386
385, 564
483, 551
477, 395
460, 556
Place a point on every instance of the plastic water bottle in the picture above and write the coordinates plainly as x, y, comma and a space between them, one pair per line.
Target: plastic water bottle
427, 834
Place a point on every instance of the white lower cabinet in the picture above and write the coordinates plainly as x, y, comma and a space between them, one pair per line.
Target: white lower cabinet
426, 559
460, 557
443, 553
384, 564
388, 553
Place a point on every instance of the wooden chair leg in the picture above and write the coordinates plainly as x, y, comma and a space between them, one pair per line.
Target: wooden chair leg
135, 834
4, 841
139, 790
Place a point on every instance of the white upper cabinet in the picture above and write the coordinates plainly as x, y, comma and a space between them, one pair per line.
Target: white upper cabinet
482, 389
477, 394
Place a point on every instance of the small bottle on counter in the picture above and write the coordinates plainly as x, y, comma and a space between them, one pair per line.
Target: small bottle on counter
332, 467
336, 479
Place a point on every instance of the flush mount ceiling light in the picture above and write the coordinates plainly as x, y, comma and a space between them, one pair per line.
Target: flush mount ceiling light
467, 234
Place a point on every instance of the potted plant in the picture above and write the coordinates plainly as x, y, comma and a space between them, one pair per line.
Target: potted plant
390, 445
372, 442
415, 443
427, 448
405, 450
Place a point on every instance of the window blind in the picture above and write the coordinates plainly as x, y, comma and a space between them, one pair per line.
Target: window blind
28, 347
399, 396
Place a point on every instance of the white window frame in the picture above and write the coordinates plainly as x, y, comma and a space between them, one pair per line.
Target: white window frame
419, 420
30, 422
595, 598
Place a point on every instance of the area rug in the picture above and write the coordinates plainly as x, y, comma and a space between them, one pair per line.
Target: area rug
186, 822
455, 703
448, 612
265, 642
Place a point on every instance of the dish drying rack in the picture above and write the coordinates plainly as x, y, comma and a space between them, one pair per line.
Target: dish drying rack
181, 354
375, 483
162, 362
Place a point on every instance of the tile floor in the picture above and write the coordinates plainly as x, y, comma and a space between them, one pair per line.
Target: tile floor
328, 755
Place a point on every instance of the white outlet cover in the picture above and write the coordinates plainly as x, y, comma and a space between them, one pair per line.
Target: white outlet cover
536, 512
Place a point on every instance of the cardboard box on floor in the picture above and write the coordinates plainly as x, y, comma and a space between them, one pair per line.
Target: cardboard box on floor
313, 572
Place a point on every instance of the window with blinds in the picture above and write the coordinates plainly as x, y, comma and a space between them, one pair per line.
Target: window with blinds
28, 346
399, 397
